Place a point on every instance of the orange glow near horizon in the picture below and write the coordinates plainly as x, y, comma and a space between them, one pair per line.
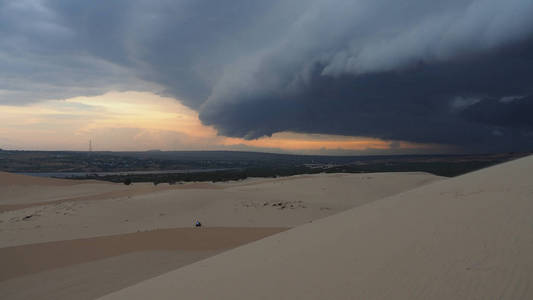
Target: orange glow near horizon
296, 141
143, 121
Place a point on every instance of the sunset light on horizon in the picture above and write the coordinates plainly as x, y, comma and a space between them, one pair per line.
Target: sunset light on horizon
249, 149
138, 121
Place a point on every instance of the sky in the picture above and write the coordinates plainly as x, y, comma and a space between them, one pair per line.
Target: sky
292, 76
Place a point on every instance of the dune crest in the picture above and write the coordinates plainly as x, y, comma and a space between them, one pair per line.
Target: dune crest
13, 179
469, 237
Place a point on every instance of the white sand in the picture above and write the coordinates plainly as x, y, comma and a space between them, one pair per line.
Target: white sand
470, 237
118, 209
75, 221
23, 260
97, 278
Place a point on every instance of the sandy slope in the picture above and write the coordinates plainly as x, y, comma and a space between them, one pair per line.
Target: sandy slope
12, 179
254, 203
89, 268
93, 279
16, 189
22, 260
19, 191
470, 237
80, 240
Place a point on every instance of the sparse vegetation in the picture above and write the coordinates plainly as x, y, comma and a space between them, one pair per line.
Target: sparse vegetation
215, 166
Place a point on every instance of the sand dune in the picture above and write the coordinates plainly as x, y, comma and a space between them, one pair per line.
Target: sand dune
26, 196
94, 279
21, 260
80, 239
12, 179
21, 191
470, 237
282, 202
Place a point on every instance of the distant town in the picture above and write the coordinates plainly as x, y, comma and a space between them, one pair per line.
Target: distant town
184, 166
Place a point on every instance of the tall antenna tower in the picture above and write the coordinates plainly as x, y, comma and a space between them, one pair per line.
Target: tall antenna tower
90, 146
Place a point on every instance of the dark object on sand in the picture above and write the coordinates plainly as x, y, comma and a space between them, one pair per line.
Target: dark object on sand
127, 181
198, 224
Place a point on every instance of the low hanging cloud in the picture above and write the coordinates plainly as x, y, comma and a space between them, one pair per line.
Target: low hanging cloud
385, 69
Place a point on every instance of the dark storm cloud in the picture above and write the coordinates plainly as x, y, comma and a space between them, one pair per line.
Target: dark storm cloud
454, 72
457, 102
